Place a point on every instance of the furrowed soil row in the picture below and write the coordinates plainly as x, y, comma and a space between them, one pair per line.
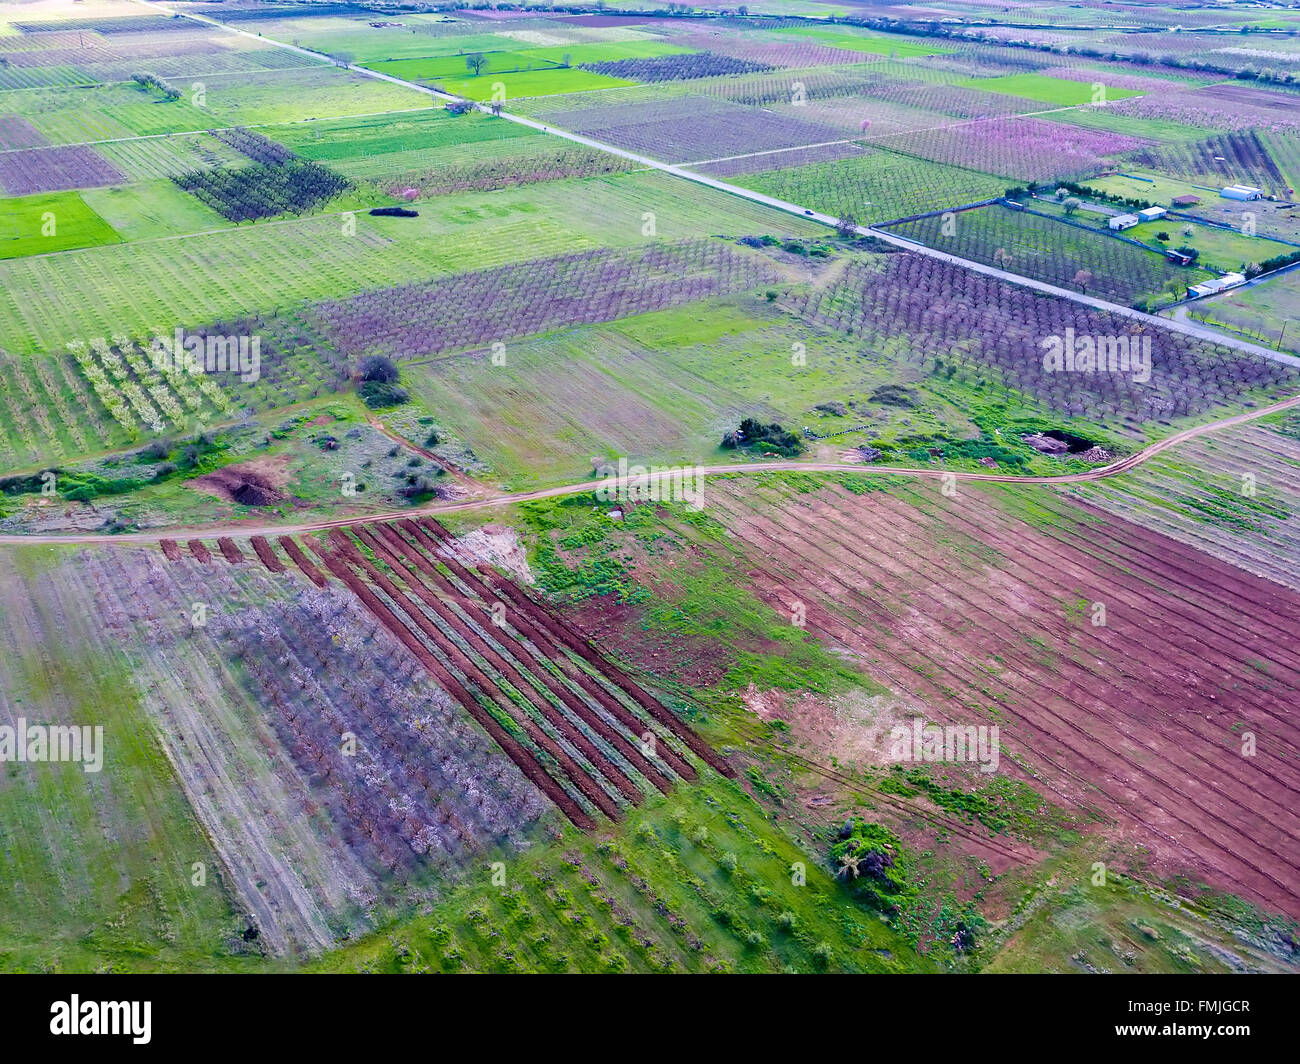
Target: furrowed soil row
267, 554
580, 778
1262, 885
1042, 696
565, 634
907, 667
526, 762
1083, 691
552, 653
1050, 616
1166, 613
1150, 583
394, 551
529, 671
231, 552
301, 560
1266, 603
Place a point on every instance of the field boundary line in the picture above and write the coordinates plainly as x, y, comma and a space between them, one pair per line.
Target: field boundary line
1200, 332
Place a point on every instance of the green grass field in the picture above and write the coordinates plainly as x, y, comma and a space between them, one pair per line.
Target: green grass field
152, 210
1058, 91
555, 81
121, 897
433, 131
1221, 249
54, 221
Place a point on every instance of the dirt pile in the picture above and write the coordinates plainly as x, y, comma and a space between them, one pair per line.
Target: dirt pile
255, 483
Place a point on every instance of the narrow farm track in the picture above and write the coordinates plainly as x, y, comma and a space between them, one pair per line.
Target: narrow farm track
1199, 331
507, 499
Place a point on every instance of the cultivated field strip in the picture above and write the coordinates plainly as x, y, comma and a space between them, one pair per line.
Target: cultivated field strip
1202, 497
332, 779
948, 311
981, 616
579, 727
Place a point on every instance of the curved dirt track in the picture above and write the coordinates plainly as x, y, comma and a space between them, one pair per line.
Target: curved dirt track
1113, 469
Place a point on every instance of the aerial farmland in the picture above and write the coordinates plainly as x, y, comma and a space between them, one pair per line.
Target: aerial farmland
616, 488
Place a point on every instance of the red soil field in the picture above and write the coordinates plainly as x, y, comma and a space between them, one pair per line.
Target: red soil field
983, 617
304, 563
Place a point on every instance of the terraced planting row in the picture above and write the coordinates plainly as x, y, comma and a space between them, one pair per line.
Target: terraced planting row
581, 729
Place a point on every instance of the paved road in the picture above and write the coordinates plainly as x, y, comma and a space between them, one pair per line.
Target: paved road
1191, 329
1123, 465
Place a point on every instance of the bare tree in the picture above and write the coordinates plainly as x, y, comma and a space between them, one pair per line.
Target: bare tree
476, 61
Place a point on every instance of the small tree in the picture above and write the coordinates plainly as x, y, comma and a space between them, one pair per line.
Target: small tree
1083, 278
475, 61
1072, 204
847, 226
378, 368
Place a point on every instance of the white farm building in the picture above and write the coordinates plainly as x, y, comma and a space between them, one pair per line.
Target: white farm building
1124, 221
1242, 192
1217, 284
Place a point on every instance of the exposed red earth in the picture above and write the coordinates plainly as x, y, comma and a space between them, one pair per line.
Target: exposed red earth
984, 618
